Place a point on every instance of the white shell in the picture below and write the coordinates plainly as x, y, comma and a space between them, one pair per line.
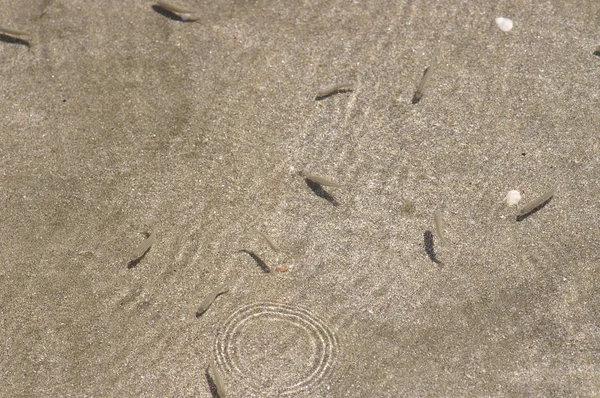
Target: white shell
504, 24
512, 198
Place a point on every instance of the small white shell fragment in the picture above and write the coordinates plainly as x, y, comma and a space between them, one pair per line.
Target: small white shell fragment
512, 198
504, 24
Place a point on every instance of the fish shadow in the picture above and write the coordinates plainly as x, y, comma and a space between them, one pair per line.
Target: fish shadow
429, 249
261, 264
14, 40
211, 384
320, 192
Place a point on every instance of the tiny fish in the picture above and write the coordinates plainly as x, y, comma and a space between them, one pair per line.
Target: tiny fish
216, 376
421, 88
184, 13
269, 241
319, 180
439, 225
223, 288
14, 33
336, 88
534, 204
142, 248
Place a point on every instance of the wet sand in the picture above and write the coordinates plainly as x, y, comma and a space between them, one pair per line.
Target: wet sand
119, 121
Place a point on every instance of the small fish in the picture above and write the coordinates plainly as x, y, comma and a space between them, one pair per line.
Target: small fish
422, 84
16, 34
439, 225
269, 241
535, 203
184, 13
336, 88
216, 376
141, 250
223, 288
320, 180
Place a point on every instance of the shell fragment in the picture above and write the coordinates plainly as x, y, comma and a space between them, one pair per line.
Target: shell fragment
504, 24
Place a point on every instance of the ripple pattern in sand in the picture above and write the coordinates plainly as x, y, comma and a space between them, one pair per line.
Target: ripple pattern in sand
276, 349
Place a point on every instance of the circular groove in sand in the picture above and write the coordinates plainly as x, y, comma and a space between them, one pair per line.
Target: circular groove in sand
322, 347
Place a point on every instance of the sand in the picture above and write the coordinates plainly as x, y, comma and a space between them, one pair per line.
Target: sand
118, 121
